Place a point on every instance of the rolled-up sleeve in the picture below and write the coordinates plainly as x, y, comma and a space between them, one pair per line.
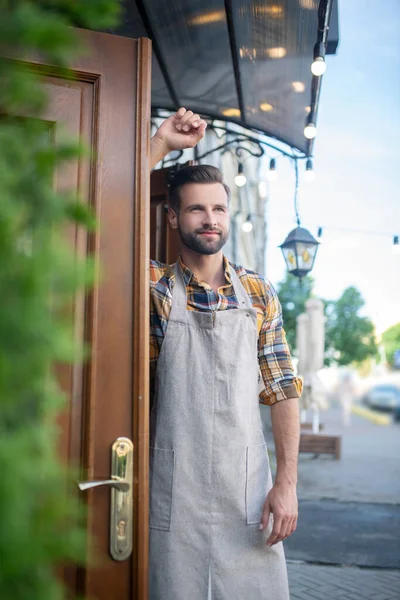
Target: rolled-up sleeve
280, 382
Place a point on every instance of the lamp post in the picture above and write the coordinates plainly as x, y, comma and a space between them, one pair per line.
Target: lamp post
299, 251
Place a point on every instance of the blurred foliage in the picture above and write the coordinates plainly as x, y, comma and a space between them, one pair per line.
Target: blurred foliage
293, 294
351, 336
391, 342
41, 525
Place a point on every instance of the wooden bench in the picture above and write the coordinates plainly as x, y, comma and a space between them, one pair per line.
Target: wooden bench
309, 426
317, 443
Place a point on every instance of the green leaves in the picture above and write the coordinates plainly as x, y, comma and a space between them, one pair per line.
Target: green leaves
292, 296
80, 213
391, 342
351, 335
98, 14
40, 276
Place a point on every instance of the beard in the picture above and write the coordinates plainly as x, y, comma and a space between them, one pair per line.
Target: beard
194, 241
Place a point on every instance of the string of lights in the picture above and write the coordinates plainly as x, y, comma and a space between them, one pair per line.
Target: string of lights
353, 230
321, 229
318, 68
395, 238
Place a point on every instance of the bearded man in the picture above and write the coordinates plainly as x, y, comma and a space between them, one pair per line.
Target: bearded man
217, 520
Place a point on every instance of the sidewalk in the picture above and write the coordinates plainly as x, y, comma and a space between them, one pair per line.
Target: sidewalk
369, 472
316, 582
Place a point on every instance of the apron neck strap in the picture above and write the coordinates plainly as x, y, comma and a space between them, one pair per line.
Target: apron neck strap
179, 295
240, 293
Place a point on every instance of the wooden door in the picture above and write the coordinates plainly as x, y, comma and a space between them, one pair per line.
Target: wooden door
164, 241
108, 106
165, 245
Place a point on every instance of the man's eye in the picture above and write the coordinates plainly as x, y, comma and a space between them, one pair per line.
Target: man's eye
221, 209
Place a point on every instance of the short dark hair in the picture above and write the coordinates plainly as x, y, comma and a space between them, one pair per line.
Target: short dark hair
193, 174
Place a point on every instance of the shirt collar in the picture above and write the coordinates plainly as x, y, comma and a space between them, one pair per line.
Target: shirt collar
188, 275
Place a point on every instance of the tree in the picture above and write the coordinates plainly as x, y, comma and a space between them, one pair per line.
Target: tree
391, 342
293, 295
349, 336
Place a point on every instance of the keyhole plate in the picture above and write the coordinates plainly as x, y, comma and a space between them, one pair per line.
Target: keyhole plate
121, 501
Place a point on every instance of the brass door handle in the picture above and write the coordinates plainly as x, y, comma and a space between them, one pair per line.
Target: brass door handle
121, 486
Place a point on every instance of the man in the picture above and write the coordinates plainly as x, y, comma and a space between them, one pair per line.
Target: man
214, 326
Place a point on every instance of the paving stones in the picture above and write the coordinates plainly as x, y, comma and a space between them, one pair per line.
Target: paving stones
320, 582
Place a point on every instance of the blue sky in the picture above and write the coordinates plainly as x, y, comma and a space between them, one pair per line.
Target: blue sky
357, 165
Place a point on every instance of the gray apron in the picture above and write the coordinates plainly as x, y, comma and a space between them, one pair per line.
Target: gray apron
209, 469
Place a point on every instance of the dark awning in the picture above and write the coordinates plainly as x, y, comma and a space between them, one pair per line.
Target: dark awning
244, 62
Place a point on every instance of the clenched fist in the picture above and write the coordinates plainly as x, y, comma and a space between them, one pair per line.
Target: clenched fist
180, 131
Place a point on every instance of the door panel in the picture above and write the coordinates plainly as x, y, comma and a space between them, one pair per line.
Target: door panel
107, 105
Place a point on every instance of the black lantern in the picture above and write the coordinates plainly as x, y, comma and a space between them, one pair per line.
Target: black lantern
299, 251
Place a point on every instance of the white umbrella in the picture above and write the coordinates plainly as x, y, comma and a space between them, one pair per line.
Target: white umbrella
310, 346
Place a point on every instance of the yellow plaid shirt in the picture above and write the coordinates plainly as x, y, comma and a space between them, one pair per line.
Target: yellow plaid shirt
274, 358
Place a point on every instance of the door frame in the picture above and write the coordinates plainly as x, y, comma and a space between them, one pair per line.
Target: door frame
141, 334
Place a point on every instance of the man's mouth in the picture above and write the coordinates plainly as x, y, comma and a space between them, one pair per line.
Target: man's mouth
210, 233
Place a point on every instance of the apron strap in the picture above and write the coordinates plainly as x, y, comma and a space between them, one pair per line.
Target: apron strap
242, 296
179, 295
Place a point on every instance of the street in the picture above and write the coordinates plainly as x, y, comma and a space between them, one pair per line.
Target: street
347, 533
347, 542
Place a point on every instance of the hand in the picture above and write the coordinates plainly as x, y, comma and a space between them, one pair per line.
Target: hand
282, 503
180, 131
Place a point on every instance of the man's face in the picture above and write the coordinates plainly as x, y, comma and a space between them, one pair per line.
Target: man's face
203, 220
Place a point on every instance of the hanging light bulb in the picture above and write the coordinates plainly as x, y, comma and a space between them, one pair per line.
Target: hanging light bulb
240, 178
318, 67
271, 173
309, 174
310, 130
247, 226
319, 234
396, 245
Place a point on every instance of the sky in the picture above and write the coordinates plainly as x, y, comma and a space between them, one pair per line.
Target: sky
357, 166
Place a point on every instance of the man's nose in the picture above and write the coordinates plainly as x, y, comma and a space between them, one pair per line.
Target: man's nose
209, 218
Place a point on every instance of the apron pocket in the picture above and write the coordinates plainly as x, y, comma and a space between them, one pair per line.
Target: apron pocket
161, 478
257, 469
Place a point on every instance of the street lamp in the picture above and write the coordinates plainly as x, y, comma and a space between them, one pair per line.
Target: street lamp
299, 251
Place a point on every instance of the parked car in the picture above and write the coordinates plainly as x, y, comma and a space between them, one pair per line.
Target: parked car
385, 396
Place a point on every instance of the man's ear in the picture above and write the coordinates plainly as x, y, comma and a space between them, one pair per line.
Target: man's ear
172, 218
